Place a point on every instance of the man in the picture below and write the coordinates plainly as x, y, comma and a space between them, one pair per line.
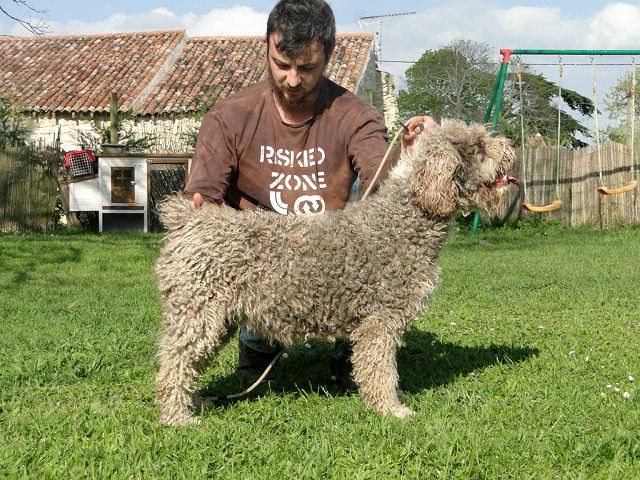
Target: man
292, 144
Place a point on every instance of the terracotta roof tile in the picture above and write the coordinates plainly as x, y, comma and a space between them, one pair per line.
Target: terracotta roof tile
210, 68
76, 73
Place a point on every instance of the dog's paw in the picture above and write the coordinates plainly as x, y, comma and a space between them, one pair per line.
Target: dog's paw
177, 420
203, 403
402, 396
400, 411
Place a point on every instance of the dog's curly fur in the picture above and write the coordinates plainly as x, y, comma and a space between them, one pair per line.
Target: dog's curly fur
363, 272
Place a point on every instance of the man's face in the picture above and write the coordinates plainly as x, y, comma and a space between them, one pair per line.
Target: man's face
296, 80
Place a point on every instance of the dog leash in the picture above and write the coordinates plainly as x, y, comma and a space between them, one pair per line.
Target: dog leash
386, 157
248, 390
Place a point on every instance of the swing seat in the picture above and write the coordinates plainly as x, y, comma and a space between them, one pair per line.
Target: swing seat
544, 208
615, 191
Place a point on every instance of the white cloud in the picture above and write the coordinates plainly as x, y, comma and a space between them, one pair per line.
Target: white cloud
237, 20
614, 26
164, 11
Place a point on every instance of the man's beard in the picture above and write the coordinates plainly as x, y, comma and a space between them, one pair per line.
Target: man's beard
296, 103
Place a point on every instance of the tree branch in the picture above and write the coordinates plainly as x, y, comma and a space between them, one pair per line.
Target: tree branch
36, 26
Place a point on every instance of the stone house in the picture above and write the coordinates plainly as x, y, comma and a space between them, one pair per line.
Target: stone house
164, 80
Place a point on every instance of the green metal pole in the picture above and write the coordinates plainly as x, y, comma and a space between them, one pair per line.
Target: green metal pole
496, 113
574, 52
496, 98
492, 100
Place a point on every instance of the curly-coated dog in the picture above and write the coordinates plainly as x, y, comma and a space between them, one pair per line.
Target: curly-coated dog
363, 272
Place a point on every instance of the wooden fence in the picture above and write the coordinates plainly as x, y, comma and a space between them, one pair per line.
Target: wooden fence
28, 186
574, 180
28, 190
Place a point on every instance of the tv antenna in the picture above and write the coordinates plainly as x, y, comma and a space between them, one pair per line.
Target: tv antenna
379, 20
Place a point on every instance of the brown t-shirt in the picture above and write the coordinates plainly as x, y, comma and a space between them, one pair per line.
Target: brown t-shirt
248, 157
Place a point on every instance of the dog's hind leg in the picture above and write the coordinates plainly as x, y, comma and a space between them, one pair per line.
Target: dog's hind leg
374, 366
187, 345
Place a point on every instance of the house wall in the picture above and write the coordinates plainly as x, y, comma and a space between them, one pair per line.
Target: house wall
377, 87
370, 86
175, 133
389, 99
169, 134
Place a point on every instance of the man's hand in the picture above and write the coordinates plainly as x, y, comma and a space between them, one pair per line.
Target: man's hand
413, 129
197, 201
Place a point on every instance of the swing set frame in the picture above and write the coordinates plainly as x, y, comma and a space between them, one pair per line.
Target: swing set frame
492, 113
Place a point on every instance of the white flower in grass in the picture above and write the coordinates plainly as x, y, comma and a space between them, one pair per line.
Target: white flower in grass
586, 359
540, 327
307, 345
433, 342
626, 395
602, 394
492, 330
453, 324
617, 390
572, 353
609, 385
631, 379
285, 355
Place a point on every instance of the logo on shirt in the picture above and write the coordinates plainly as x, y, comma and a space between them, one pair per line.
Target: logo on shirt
282, 181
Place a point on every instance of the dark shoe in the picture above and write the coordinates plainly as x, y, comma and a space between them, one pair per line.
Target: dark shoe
252, 363
342, 368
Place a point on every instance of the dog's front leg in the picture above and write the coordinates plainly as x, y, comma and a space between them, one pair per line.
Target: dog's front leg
374, 366
186, 347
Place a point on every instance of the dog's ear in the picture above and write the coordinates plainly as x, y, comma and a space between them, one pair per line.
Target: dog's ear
435, 163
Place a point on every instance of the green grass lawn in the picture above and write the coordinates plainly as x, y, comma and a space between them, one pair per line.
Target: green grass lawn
527, 365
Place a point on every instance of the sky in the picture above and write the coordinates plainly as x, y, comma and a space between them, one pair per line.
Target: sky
542, 24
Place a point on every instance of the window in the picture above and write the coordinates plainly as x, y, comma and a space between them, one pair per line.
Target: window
123, 185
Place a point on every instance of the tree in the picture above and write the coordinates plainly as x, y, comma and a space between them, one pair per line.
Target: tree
36, 26
621, 110
539, 109
14, 127
456, 82
452, 82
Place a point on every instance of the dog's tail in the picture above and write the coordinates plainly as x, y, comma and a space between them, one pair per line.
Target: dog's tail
174, 211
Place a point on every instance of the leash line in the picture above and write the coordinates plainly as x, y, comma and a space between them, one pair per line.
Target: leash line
386, 157
252, 387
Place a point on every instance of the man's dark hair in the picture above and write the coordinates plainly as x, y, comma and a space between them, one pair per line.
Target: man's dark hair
300, 22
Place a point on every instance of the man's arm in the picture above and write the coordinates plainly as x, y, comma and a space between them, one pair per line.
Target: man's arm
214, 162
368, 145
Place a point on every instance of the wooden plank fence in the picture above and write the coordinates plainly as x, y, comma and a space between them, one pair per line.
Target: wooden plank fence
28, 190
28, 187
574, 180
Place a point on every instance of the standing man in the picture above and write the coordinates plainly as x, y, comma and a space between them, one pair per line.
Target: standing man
293, 143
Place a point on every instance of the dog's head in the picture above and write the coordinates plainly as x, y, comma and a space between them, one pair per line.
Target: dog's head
459, 166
